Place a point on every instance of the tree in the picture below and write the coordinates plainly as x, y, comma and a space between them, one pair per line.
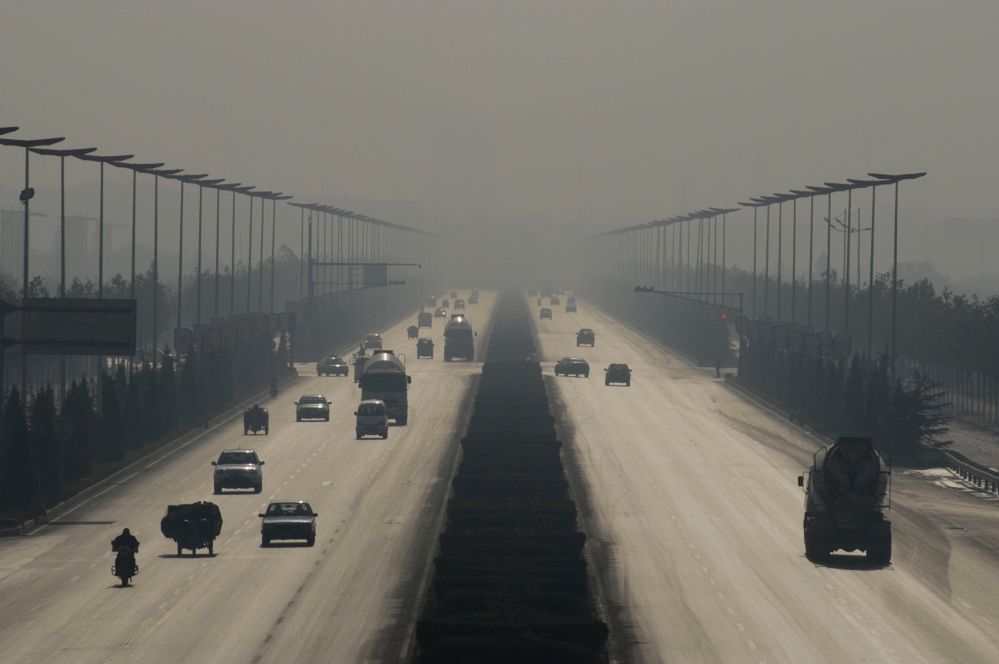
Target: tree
112, 432
132, 411
167, 384
150, 399
19, 489
47, 445
78, 408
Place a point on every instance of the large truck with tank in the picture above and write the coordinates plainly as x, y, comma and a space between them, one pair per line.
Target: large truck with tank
459, 339
384, 377
847, 491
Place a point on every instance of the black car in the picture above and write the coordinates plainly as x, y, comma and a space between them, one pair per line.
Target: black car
546, 313
432, 301
425, 348
372, 341
238, 469
572, 366
312, 407
586, 337
618, 373
332, 365
570, 308
441, 312
459, 304
412, 331
425, 319
288, 520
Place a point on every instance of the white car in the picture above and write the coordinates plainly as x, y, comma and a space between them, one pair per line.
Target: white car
372, 419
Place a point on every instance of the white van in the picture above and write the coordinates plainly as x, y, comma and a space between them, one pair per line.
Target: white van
372, 419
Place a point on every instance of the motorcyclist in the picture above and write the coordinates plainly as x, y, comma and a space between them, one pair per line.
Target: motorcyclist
126, 539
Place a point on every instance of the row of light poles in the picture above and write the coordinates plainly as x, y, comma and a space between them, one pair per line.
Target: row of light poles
639, 253
42, 146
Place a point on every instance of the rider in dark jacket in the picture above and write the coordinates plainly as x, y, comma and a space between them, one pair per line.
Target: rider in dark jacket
125, 539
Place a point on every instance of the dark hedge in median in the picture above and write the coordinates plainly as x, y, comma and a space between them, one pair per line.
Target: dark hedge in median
510, 580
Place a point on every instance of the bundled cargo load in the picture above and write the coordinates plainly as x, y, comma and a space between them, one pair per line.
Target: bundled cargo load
192, 526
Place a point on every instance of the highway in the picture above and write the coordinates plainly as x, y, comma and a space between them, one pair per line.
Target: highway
350, 598
689, 496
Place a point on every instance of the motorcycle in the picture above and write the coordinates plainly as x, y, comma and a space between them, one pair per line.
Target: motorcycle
125, 567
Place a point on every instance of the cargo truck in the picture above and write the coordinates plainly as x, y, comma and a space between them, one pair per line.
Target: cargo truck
384, 377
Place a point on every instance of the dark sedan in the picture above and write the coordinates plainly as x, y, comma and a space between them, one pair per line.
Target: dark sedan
332, 365
572, 366
288, 520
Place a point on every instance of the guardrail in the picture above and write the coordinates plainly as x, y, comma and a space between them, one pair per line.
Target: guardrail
982, 477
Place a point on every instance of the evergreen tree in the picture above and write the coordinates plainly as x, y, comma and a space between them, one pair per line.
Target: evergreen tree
130, 413
19, 490
47, 445
151, 406
112, 431
167, 383
78, 408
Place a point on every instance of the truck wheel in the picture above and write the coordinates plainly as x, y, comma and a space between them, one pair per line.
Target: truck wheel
815, 550
180, 549
358, 435
401, 421
218, 489
879, 551
246, 430
211, 547
267, 430
627, 383
258, 488
311, 540
264, 540
385, 435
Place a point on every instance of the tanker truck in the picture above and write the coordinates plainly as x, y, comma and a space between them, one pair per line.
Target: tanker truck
385, 378
459, 339
846, 493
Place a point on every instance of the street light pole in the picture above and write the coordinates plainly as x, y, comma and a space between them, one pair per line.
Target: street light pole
197, 279
896, 179
100, 223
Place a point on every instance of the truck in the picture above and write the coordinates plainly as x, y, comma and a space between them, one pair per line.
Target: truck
384, 377
459, 339
847, 490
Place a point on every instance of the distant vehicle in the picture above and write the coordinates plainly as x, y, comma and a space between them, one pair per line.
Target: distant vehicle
359, 360
459, 304
445, 303
441, 312
570, 307
474, 297
553, 300
847, 490
256, 419
372, 341
586, 337
238, 469
192, 526
454, 294
432, 301
372, 419
546, 313
412, 331
571, 299
425, 348
572, 366
425, 319
618, 373
385, 378
459, 339
288, 520
312, 407
332, 365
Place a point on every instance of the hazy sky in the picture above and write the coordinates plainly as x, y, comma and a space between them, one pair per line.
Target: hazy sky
647, 108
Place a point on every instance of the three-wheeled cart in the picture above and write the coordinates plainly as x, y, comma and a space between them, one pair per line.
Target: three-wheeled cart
192, 526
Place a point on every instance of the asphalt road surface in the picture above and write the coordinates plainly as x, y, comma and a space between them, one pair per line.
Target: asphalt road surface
347, 599
695, 521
